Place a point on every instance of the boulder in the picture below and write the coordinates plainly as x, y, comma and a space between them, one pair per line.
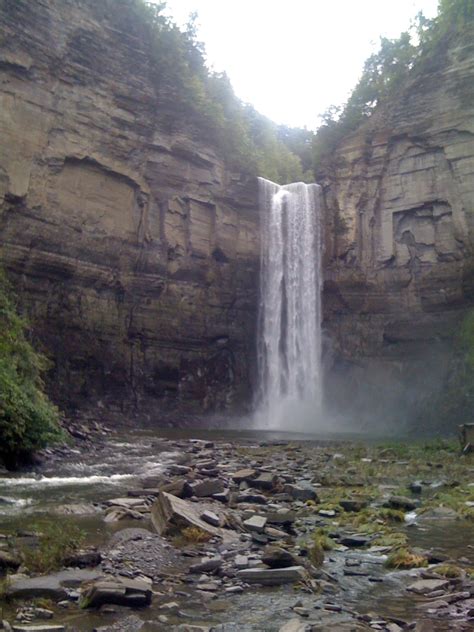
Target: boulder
205, 488
401, 502
116, 590
9, 560
211, 518
353, 504
266, 480
255, 523
272, 576
276, 557
425, 586
299, 492
170, 514
52, 586
207, 565
243, 475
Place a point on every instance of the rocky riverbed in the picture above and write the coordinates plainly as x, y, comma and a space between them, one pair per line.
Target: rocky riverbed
233, 532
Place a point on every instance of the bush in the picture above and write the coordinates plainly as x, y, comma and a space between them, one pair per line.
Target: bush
28, 420
56, 543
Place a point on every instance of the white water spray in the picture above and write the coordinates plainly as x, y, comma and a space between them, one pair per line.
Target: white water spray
289, 328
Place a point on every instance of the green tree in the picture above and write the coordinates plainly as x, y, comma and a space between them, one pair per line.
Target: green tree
28, 420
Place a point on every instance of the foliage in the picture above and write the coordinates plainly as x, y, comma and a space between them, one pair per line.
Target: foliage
316, 553
28, 420
404, 558
418, 50
56, 544
321, 538
190, 95
191, 535
448, 570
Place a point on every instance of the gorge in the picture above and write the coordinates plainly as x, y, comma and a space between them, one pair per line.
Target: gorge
133, 244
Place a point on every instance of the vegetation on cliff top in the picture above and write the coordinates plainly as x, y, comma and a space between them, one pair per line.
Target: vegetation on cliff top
28, 420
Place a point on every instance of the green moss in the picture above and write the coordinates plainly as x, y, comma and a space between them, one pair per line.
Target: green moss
449, 571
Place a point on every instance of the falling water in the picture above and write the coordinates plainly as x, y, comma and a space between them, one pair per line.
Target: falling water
289, 336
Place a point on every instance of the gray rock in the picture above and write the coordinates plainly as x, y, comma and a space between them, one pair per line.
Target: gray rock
266, 480
298, 492
170, 513
205, 488
130, 624
255, 523
251, 497
355, 541
42, 627
52, 586
9, 560
241, 561
211, 518
243, 475
281, 516
272, 576
276, 557
425, 586
352, 504
294, 625
206, 565
116, 590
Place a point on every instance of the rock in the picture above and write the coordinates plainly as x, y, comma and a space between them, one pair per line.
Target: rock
116, 590
255, 523
129, 624
415, 487
251, 497
352, 504
42, 627
207, 487
276, 557
170, 514
294, 625
241, 561
9, 560
243, 475
52, 586
401, 502
354, 541
281, 516
327, 513
211, 518
301, 493
272, 576
266, 481
207, 565
222, 497
425, 586
83, 558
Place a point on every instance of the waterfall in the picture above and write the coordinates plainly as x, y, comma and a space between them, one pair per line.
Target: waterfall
289, 324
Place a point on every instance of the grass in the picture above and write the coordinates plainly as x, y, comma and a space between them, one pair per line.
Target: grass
450, 571
56, 542
404, 558
191, 535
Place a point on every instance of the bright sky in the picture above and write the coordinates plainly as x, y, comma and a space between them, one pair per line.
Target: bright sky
292, 59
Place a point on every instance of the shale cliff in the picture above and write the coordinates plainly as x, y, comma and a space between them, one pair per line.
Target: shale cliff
399, 272
132, 248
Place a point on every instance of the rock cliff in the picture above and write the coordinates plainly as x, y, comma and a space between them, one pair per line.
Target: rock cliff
133, 248
399, 267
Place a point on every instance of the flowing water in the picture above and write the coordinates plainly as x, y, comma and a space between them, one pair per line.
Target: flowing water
289, 337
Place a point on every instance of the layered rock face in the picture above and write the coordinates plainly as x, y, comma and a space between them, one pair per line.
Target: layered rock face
133, 249
399, 240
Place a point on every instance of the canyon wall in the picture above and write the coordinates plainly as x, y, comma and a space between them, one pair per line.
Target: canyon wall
399, 197
133, 249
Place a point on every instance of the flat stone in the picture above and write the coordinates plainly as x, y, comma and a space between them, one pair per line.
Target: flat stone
281, 516
50, 586
266, 480
243, 475
425, 586
251, 497
42, 627
241, 561
255, 523
272, 576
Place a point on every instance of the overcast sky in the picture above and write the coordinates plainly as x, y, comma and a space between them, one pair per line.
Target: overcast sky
292, 59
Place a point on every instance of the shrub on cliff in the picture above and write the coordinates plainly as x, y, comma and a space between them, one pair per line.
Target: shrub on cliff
28, 420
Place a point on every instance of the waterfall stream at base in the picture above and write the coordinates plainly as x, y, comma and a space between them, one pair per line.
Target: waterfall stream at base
289, 326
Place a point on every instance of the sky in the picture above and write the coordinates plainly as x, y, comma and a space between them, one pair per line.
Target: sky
292, 59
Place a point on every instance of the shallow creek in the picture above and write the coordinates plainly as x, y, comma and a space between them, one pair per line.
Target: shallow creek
122, 463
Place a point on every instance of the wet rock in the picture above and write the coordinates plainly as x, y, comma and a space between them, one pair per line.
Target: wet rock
116, 590
276, 557
169, 514
222, 497
415, 487
251, 497
352, 504
78, 509
54, 586
207, 565
272, 576
205, 488
426, 586
84, 558
130, 624
255, 523
401, 502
